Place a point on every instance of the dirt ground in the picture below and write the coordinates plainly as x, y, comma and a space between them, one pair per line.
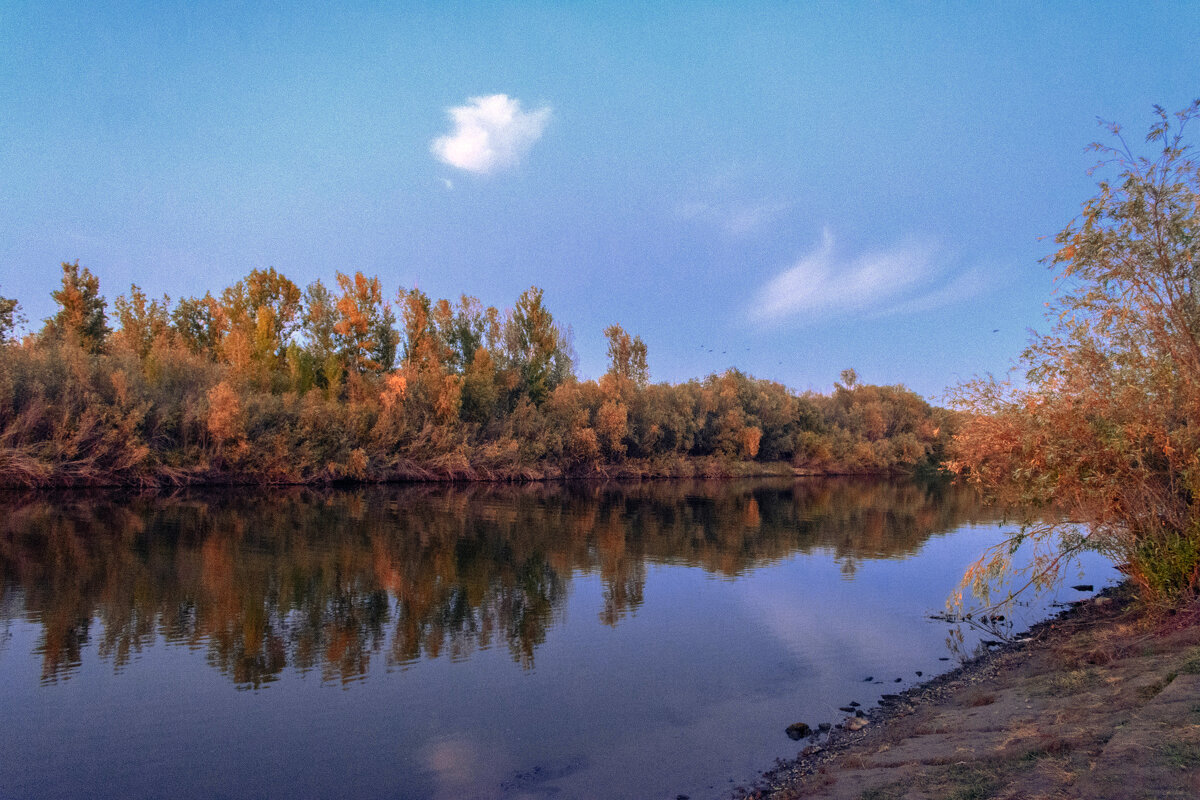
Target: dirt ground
1103, 702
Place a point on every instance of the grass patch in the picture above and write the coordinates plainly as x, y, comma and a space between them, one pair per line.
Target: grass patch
977, 700
952, 782
1051, 749
974, 784
1151, 691
1075, 681
1180, 755
1192, 665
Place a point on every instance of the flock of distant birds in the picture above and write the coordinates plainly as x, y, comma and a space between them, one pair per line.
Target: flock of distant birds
725, 352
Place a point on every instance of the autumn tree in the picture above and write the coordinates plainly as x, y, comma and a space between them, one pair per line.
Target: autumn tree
1105, 424
80, 319
421, 343
365, 324
263, 310
431, 382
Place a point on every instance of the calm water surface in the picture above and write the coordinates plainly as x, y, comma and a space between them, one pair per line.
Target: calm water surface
639, 641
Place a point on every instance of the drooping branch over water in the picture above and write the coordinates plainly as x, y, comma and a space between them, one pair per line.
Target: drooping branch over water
1107, 424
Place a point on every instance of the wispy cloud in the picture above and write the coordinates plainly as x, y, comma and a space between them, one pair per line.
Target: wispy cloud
490, 133
736, 219
823, 283
961, 287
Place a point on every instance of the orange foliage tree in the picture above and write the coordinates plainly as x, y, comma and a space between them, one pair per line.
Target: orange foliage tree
365, 324
263, 310
1107, 426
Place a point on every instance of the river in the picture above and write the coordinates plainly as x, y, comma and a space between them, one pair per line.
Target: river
648, 640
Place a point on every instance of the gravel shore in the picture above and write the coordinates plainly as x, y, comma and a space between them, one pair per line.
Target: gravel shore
1102, 701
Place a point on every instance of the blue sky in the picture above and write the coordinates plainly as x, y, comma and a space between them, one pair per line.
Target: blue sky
798, 188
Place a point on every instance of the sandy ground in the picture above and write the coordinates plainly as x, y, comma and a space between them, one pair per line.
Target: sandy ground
1102, 702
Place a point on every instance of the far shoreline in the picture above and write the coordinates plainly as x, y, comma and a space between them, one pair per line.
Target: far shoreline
629, 471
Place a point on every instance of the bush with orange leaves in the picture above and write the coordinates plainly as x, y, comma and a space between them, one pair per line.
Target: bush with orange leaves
224, 413
1106, 428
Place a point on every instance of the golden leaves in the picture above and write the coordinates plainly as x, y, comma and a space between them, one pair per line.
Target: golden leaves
224, 412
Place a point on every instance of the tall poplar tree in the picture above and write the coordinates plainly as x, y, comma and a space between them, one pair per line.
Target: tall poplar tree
80, 319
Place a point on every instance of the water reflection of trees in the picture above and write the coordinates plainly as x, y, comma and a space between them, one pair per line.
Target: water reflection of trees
329, 580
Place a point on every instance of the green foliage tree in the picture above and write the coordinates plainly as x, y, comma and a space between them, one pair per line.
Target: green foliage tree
626, 356
10, 318
199, 324
141, 321
1105, 426
319, 321
318, 361
80, 319
535, 347
471, 334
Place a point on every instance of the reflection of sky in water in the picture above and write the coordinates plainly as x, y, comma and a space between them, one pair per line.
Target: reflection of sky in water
687, 689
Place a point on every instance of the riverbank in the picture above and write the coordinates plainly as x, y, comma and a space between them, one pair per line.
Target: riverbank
1102, 701
23, 476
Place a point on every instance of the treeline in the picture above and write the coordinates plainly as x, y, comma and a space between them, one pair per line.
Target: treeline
269, 383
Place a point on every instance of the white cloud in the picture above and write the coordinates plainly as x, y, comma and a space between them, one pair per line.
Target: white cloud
902, 278
490, 133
